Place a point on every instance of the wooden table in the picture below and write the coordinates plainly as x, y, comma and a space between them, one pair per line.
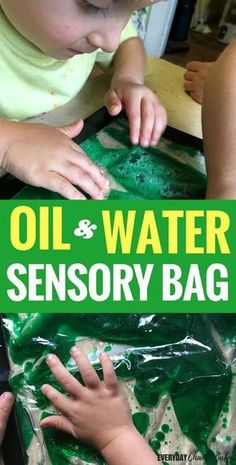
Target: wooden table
166, 80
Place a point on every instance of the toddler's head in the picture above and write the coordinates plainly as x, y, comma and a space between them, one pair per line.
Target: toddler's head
63, 28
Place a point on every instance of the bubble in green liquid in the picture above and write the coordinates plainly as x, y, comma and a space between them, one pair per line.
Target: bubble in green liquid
155, 445
107, 349
160, 436
165, 428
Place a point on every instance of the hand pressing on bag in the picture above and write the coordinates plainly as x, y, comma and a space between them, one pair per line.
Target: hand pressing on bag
47, 157
96, 412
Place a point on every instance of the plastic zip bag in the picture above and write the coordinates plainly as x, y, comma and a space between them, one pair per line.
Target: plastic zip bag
178, 371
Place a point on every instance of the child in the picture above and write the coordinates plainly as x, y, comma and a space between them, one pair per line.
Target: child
214, 85
6, 403
96, 413
48, 50
219, 116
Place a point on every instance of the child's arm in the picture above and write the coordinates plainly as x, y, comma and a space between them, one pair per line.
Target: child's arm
6, 404
46, 157
147, 117
96, 413
219, 126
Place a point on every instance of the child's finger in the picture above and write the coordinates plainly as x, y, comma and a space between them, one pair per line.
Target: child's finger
156, 133
97, 173
66, 380
109, 374
87, 372
57, 183
80, 178
6, 403
147, 122
193, 65
72, 130
134, 117
113, 103
160, 123
59, 422
189, 76
60, 401
188, 85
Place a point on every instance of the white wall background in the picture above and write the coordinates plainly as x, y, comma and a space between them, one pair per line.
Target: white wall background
158, 27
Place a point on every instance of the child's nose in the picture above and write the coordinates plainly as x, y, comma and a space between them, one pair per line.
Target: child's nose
106, 40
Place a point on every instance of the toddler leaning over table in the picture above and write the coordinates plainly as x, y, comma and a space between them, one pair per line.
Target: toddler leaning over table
48, 50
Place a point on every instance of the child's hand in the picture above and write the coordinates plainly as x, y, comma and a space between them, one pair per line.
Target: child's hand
6, 403
46, 157
147, 117
96, 413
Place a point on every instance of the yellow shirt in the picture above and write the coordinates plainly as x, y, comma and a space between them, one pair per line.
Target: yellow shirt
32, 83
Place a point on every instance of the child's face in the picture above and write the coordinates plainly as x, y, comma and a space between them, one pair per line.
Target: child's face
63, 28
